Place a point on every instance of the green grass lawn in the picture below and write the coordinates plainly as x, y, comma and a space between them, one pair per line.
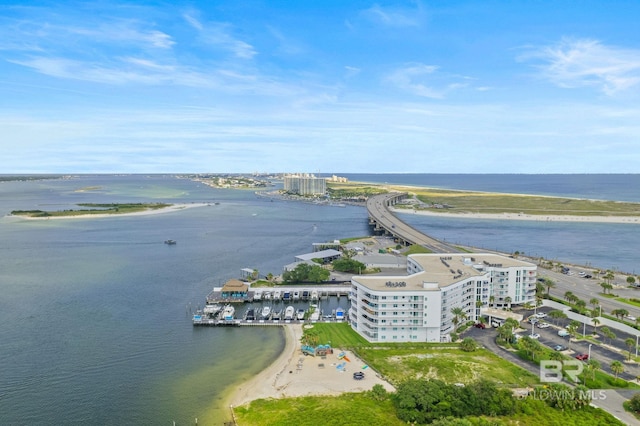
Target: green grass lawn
352, 409
448, 364
339, 335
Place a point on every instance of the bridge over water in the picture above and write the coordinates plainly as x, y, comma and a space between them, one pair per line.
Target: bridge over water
383, 220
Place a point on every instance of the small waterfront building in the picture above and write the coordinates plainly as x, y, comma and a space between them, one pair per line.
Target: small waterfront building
235, 290
417, 307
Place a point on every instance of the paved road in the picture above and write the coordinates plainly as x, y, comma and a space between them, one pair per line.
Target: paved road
377, 207
609, 400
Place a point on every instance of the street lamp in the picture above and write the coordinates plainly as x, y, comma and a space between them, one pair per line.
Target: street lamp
636, 345
589, 353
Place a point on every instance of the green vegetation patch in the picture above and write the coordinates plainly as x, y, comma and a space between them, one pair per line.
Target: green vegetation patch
485, 202
347, 409
416, 249
95, 209
449, 364
339, 335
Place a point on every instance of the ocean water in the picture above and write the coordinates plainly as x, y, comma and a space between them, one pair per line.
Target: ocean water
95, 314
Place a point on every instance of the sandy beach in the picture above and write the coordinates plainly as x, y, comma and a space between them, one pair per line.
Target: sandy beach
294, 374
522, 216
171, 208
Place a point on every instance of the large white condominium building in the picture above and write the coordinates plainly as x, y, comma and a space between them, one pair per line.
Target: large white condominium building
417, 307
305, 184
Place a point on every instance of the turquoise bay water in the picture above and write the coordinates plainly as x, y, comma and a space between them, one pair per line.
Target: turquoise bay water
95, 314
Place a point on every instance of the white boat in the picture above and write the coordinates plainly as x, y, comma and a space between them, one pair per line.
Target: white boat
286, 296
289, 313
339, 314
296, 295
314, 294
300, 314
276, 315
266, 295
228, 313
266, 311
277, 295
315, 315
211, 310
257, 295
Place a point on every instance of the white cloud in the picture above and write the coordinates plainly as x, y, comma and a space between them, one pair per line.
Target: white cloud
573, 63
394, 16
412, 79
220, 34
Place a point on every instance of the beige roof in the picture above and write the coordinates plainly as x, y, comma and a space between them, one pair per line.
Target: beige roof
441, 269
235, 285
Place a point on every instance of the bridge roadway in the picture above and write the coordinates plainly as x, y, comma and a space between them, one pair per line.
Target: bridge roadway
382, 219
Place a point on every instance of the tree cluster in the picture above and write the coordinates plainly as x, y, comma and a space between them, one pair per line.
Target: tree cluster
306, 273
425, 401
349, 265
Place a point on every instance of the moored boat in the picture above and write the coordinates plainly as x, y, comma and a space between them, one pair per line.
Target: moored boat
339, 314
277, 295
300, 314
314, 294
289, 313
266, 311
228, 313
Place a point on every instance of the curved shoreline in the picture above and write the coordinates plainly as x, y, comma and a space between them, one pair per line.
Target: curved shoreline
171, 208
293, 374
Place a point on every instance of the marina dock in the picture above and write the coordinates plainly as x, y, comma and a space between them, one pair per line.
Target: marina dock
279, 293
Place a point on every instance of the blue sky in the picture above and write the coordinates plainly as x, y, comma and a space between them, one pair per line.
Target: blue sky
327, 86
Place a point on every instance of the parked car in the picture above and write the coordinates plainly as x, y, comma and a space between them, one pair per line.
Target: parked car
534, 336
630, 318
541, 315
533, 320
559, 348
543, 325
563, 332
582, 357
479, 325
588, 276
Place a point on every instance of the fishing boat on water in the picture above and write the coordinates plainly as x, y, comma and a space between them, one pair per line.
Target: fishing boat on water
277, 295
289, 313
314, 294
300, 314
339, 314
228, 313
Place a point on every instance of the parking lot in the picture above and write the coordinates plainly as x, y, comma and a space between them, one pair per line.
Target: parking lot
616, 350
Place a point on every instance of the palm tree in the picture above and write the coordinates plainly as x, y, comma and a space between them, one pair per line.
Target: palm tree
556, 315
631, 343
507, 300
594, 302
581, 304
568, 296
595, 322
458, 315
617, 368
492, 300
549, 284
593, 366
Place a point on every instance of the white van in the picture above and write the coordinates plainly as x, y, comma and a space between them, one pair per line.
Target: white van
563, 332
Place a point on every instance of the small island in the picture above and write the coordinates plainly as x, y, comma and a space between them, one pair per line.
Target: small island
94, 209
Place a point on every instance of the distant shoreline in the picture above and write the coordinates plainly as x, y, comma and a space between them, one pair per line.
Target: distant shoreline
171, 208
523, 216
